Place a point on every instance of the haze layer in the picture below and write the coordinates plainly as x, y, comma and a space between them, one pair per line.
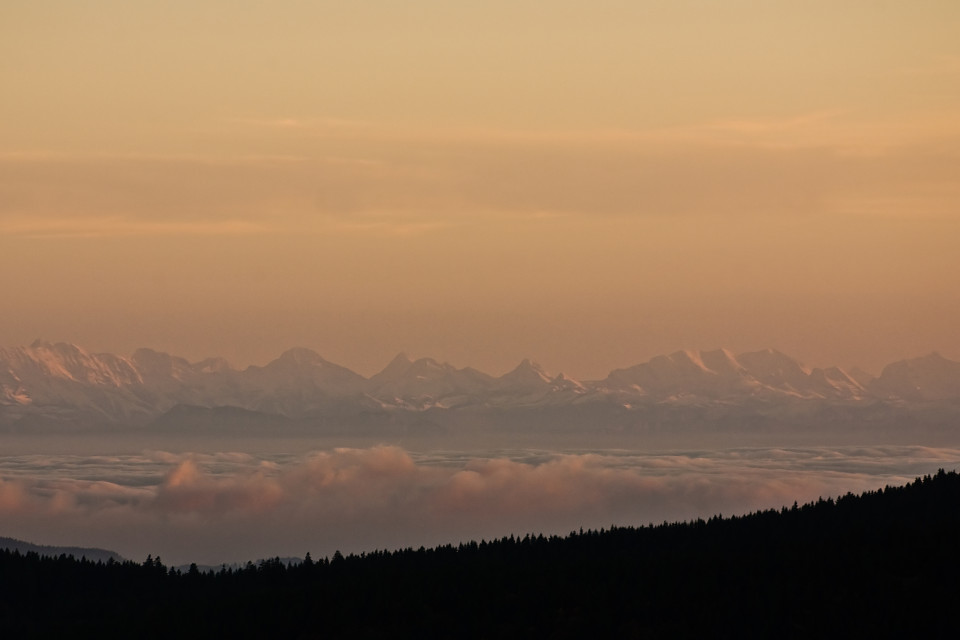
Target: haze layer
586, 184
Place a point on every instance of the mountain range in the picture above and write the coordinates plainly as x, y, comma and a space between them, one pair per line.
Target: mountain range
62, 386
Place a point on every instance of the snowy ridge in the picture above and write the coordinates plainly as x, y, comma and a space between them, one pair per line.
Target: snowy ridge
63, 384
720, 374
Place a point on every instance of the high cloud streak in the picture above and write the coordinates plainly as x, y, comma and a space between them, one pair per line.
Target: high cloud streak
232, 507
393, 179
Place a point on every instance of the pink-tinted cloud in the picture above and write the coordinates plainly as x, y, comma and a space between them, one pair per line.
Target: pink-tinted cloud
230, 507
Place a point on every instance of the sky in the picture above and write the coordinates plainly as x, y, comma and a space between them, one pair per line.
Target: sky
585, 184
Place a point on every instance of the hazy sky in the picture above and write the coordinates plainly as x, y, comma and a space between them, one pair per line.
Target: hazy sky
585, 184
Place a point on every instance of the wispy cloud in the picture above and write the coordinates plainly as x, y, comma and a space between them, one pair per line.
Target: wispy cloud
109, 227
289, 176
44, 156
315, 123
839, 127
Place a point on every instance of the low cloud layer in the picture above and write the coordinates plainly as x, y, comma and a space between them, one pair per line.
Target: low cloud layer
226, 507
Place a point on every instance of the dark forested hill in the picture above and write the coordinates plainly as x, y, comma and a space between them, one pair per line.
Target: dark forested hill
881, 564
80, 552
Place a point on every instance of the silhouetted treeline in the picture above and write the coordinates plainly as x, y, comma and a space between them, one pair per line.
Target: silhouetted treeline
885, 563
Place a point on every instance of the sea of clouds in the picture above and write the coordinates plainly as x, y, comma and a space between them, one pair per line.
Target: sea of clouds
236, 506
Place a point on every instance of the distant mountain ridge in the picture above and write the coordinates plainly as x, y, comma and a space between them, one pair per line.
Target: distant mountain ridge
90, 553
62, 385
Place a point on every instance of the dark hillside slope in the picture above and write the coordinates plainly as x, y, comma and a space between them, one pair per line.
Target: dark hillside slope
13, 544
885, 563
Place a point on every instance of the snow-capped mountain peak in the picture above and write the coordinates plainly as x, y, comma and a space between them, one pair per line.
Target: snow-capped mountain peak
67, 384
525, 372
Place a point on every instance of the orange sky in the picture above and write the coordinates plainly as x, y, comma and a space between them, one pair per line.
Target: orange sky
585, 184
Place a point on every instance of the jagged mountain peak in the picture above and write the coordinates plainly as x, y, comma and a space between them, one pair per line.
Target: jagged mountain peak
663, 367
66, 361
425, 378
293, 383
402, 359
395, 370
429, 364
768, 362
213, 365
719, 373
685, 355
528, 365
928, 377
145, 356
933, 358
301, 356
306, 364
720, 361
64, 378
150, 362
527, 370
60, 348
